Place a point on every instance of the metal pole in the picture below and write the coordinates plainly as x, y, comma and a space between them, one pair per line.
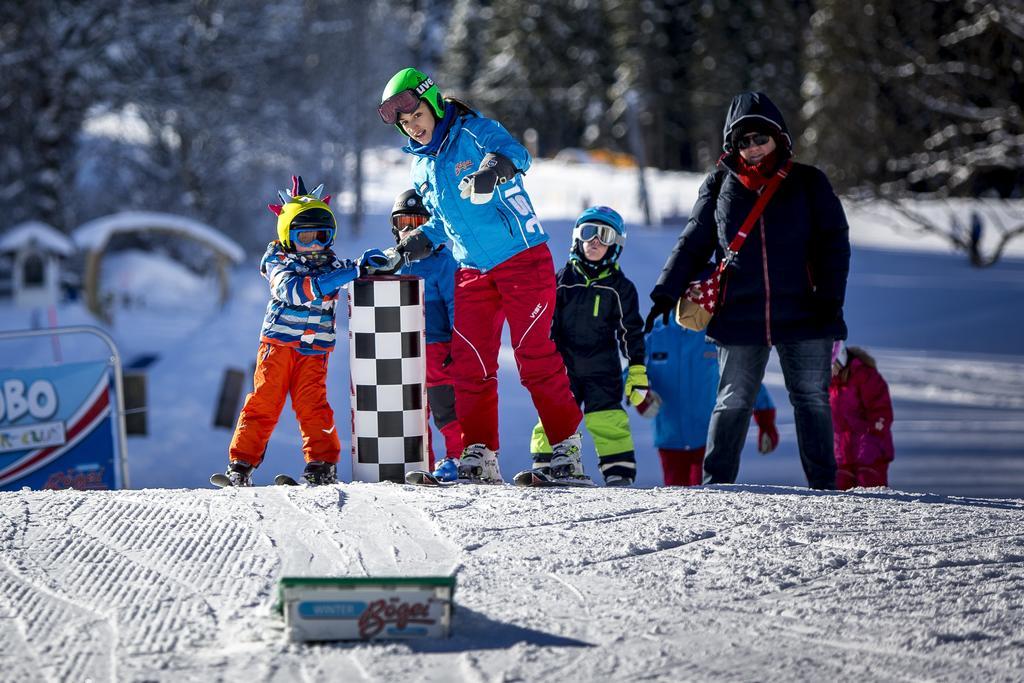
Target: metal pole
115, 360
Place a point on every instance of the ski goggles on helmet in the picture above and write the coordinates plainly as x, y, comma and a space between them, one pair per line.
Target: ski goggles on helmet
405, 102
604, 233
407, 221
311, 236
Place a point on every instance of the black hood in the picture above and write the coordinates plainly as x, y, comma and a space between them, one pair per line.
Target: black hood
750, 107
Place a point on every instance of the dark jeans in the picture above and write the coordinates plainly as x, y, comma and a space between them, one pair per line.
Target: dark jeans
807, 368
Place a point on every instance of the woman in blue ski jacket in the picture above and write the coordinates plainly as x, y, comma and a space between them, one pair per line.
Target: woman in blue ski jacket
469, 171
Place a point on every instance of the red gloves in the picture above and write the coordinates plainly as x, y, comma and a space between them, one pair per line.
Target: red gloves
767, 434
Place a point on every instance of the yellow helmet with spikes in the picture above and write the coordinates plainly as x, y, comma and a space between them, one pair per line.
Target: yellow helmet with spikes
311, 210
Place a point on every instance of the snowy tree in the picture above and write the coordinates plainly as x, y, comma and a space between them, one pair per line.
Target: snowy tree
544, 66
55, 59
931, 103
743, 46
970, 81
931, 107
467, 35
652, 43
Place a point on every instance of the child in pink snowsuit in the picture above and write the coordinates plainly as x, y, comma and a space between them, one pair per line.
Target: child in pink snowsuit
861, 419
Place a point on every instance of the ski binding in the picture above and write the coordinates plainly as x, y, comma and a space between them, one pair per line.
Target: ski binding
540, 478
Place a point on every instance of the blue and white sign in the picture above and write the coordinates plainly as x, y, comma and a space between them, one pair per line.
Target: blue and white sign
57, 428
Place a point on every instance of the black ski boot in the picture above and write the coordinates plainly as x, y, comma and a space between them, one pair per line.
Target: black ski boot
240, 473
320, 473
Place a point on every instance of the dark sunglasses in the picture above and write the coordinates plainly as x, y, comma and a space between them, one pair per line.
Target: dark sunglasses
405, 102
753, 140
407, 221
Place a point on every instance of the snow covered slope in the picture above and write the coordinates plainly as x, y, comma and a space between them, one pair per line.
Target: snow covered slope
737, 583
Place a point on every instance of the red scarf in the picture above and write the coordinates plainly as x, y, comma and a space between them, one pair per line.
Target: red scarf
756, 176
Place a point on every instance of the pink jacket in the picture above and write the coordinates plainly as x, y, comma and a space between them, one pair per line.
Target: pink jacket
861, 416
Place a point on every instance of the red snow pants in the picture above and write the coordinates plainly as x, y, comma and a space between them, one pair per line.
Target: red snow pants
522, 291
441, 401
280, 371
682, 468
852, 474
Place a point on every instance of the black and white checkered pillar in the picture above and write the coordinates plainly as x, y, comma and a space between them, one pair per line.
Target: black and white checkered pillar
388, 366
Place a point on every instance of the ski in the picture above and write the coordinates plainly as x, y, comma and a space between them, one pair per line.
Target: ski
220, 480
424, 478
537, 478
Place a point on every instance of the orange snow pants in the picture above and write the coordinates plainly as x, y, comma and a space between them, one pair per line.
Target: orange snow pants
280, 371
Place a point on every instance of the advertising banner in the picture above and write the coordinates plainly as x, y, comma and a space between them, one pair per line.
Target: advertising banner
57, 428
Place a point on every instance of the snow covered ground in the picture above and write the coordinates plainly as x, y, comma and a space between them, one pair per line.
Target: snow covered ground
741, 583
758, 581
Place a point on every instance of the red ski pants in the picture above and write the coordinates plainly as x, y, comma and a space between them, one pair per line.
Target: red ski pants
682, 468
441, 401
280, 370
522, 291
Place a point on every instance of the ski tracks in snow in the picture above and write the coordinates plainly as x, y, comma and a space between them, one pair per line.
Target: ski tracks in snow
178, 584
738, 583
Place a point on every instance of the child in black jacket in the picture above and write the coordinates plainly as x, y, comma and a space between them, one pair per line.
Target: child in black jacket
597, 317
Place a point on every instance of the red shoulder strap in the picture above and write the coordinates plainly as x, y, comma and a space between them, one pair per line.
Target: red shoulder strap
758, 209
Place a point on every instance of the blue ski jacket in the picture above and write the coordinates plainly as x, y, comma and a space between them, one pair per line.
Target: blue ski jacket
483, 235
438, 273
683, 369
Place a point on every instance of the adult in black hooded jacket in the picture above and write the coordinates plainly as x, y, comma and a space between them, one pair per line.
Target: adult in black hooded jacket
785, 288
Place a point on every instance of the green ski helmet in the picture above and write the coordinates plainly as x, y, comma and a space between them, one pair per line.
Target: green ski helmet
402, 95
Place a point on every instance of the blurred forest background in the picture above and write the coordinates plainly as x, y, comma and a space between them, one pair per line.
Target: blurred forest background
206, 107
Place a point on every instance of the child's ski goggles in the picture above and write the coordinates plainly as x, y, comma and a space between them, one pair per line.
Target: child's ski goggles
311, 237
405, 102
604, 233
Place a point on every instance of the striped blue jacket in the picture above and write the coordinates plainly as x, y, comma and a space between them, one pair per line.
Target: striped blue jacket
296, 316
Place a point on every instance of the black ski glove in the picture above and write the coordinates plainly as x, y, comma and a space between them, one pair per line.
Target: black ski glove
478, 187
663, 306
415, 246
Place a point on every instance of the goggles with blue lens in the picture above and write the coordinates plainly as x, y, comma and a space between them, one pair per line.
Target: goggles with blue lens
310, 236
605, 234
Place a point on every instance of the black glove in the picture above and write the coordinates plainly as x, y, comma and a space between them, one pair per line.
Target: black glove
478, 187
415, 246
663, 305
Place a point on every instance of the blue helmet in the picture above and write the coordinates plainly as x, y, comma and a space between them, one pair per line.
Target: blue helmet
596, 217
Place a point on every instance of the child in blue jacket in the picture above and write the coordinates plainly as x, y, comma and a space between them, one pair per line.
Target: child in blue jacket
683, 369
438, 273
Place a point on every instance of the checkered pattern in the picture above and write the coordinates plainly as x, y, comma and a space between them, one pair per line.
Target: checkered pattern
387, 361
